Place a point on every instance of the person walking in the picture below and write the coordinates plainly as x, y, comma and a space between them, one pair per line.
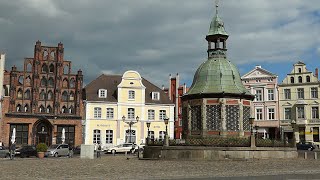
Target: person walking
12, 150
99, 151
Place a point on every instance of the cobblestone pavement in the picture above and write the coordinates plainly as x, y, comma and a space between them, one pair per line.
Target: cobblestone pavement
119, 167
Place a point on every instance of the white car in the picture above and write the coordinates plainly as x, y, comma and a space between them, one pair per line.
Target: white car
126, 147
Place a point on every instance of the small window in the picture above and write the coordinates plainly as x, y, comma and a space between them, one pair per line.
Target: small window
300, 79
308, 78
102, 93
109, 136
162, 114
131, 94
97, 112
109, 113
131, 114
150, 114
299, 70
96, 136
155, 96
292, 80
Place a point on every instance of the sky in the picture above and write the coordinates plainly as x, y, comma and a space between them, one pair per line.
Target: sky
162, 37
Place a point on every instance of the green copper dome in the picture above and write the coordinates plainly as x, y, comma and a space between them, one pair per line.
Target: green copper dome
218, 76
217, 27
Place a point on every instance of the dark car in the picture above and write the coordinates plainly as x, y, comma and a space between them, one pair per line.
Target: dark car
4, 152
26, 151
305, 146
77, 150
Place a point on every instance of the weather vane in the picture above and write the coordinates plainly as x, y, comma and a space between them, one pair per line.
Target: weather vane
217, 5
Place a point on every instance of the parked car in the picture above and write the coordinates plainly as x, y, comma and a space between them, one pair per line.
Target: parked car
26, 151
57, 150
305, 146
126, 147
4, 152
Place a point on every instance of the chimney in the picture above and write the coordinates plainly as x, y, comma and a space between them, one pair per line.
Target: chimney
316, 73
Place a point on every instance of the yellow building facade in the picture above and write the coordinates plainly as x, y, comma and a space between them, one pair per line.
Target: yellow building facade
299, 104
119, 107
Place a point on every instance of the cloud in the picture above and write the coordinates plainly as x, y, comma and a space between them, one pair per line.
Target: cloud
157, 37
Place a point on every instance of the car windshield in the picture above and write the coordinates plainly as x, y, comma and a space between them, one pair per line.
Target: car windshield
53, 146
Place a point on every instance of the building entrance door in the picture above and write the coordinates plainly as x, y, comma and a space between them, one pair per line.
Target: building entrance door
43, 132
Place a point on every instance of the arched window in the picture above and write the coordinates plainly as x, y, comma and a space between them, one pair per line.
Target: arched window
28, 81
64, 96
65, 83
42, 95
299, 70
71, 96
50, 95
19, 108
72, 83
29, 67
51, 68
308, 78
300, 79
27, 94
42, 109
66, 69
71, 110
52, 55
292, 80
44, 68
43, 81
45, 54
19, 93
64, 109
51, 82
26, 108
20, 80
49, 109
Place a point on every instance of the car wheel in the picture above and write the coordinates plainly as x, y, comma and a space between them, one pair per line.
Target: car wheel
55, 154
309, 149
113, 151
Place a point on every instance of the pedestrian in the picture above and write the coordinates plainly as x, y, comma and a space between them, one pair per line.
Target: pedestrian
70, 151
12, 150
99, 151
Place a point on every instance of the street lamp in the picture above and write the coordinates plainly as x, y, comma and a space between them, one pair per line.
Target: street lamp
130, 123
293, 124
252, 137
148, 137
166, 140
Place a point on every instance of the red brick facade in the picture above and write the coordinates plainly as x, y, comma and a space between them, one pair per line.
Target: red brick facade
42, 99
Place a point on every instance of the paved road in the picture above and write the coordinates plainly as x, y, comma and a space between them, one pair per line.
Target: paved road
121, 167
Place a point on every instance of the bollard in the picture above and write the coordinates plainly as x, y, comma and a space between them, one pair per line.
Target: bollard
305, 155
125, 154
315, 155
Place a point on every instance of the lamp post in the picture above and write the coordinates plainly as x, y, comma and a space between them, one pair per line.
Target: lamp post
252, 136
166, 138
130, 123
293, 124
148, 137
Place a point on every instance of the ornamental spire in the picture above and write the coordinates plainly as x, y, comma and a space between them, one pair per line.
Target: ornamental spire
217, 5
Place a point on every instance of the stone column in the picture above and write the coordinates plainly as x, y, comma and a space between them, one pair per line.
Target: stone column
204, 117
241, 132
223, 118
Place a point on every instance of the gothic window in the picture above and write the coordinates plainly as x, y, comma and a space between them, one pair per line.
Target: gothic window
28, 81
43, 81
20, 80
19, 93
72, 83
42, 109
51, 68
27, 94
44, 68
300, 79
19, 108
52, 54
64, 96
50, 95
308, 78
45, 54
29, 67
71, 96
64, 109
292, 80
71, 109
65, 83
51, 82
49, 109
66, 69
26, 108
42, 95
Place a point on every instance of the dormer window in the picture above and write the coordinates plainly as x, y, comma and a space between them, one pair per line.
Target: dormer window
155, 96
102, 93
131, 94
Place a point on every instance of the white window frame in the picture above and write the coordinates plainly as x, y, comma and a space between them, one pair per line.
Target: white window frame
271, 113
285, 113
162, 114
314, 92
259, 96
96, 136
109, 136
103, 93
155, 96
315, 112
131, 94
303, 114
300, 94
151, 114
271, 94
110, 113
97, 112
259, 115
131, 113
287, 93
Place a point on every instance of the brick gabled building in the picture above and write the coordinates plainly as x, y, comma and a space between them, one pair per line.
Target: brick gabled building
42, 99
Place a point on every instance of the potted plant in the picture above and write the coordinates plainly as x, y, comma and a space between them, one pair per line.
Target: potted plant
41, 148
